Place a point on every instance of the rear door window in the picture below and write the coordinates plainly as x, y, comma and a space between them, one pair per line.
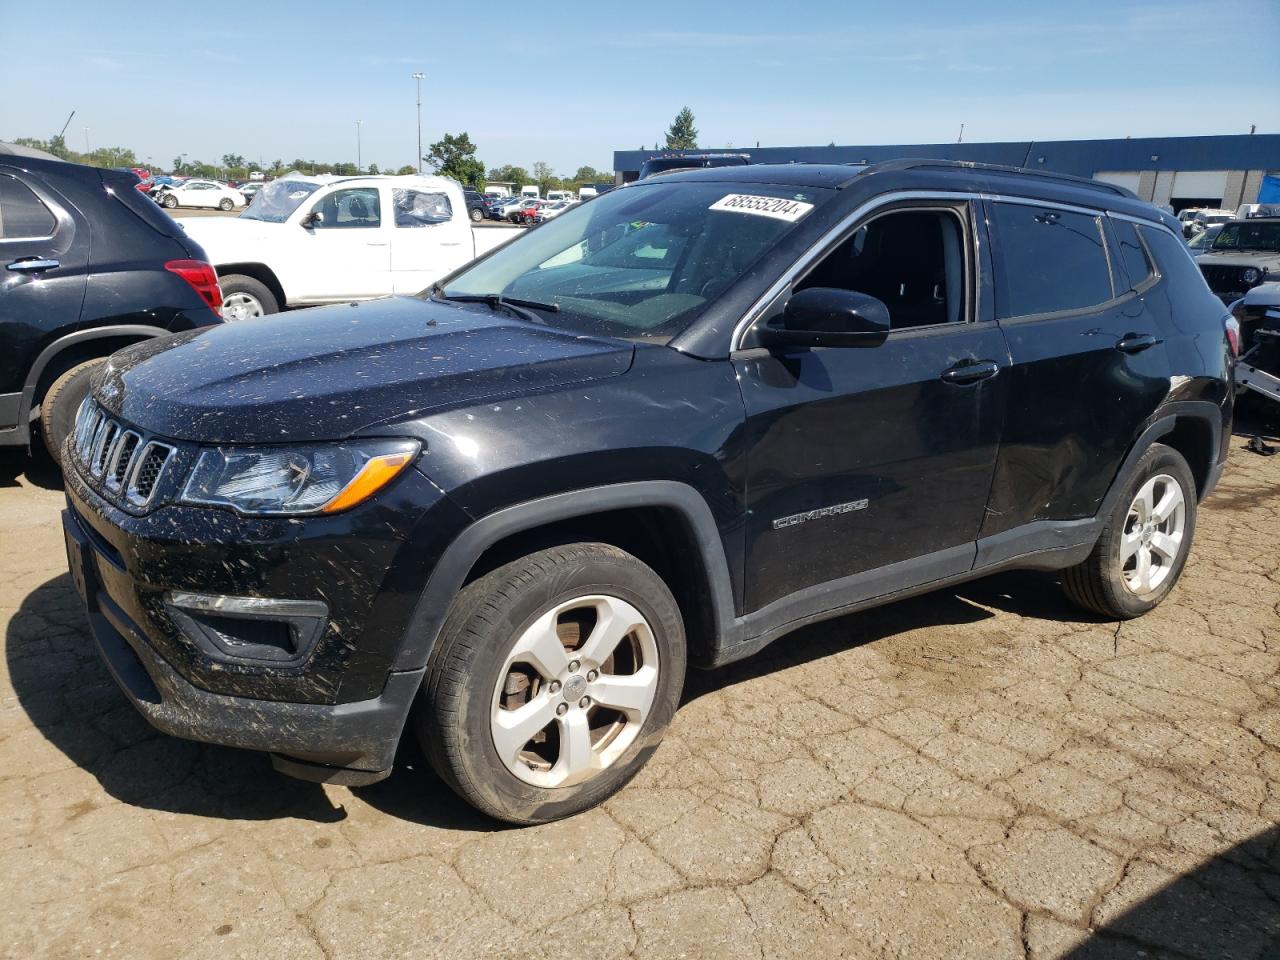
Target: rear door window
1132, 253
22, 215
421, 208
1050, 260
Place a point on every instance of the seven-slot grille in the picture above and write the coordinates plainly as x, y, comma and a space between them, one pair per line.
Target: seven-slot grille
117, 461
1223, 278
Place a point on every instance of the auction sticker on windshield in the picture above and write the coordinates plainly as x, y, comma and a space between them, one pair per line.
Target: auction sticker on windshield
777, 208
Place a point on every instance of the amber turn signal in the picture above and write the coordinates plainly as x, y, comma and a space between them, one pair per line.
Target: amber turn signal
373, 476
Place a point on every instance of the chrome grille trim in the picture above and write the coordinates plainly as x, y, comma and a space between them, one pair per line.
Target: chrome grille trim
121, 464
142, 489
122, 458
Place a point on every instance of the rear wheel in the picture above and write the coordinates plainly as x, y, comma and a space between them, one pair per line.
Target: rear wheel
60, 403
1143, 547
553, 680
244, 298
477, 214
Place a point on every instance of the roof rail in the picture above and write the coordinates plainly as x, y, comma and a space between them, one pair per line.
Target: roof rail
917, 163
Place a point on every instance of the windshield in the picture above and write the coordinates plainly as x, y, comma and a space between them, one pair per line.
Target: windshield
641, 262
1248, 235
275, 201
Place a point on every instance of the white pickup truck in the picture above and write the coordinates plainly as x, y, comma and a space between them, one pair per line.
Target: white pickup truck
307, 240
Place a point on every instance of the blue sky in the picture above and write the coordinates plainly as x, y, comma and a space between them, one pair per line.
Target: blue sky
290, 80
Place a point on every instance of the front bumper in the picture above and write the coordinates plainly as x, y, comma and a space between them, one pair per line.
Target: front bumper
351, 743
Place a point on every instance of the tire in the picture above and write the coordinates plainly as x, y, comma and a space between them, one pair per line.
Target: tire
477, 214
169, 201
467, 688
60, 403
1110, 580
226, 203
241, 291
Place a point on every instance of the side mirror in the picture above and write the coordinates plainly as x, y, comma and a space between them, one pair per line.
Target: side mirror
829, 317
313, 219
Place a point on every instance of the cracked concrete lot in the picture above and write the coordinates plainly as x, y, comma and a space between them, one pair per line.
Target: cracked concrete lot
984, 772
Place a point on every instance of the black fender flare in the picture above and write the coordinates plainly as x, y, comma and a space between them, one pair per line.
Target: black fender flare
1162, 423
460, 556
138, 330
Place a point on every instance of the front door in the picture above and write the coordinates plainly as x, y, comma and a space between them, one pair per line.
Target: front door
430, 238
346, 254
875, 464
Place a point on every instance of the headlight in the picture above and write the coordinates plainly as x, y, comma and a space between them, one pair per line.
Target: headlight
1249, 275
296, 479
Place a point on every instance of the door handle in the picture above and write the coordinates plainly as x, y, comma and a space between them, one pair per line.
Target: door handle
1136, 342
375, 243
33, 264
971, 371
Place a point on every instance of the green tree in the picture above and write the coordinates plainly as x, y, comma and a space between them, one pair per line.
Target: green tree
456, 157
545, 177
373, 170
406, 170
510, 174
682, 134
590, 175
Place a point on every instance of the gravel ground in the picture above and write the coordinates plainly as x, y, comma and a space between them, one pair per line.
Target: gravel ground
984, 772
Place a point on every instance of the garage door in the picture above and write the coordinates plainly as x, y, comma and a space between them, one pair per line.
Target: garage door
1200, 184
1120, 178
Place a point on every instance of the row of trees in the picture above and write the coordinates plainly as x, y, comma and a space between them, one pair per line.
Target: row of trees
451, 156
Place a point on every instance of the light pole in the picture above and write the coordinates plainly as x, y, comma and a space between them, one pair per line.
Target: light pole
359, 161
419, 78
86, 139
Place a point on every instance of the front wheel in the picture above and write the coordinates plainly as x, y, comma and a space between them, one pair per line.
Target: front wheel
169, 201
61, 402
477, 214
554, 679
1143, 548
225, 204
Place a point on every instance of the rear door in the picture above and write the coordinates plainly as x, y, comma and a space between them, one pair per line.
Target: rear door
44, 259
431, 237
1088, 363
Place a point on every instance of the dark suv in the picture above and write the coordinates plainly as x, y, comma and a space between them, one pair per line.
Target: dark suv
667, 427
477, 209
1244, 254
89, 265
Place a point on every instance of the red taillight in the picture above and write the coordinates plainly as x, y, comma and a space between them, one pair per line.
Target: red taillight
202, 278
1232, 326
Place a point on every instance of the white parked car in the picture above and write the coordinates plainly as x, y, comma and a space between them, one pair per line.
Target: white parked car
200, 193
553, 210
307, 240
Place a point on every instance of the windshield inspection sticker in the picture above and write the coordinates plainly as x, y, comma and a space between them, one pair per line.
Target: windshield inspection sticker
777, 208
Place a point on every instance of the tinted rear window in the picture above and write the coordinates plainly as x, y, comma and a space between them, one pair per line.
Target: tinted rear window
1187, 287
142, 206
1050, 260
22, 215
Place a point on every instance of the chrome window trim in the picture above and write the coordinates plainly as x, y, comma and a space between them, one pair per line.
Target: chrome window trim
823, 244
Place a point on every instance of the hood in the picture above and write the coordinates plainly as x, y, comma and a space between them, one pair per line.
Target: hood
327, 372
1240, 258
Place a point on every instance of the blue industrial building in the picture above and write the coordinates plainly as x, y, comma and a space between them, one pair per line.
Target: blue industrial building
1177, 172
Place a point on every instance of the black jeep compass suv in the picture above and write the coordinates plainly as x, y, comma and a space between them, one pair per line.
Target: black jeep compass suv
665, 428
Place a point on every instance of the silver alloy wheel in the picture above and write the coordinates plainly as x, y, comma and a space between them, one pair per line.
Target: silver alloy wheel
1153, 535
584, 704
241, 306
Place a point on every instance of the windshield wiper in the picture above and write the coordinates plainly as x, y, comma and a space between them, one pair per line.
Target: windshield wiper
517, 305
